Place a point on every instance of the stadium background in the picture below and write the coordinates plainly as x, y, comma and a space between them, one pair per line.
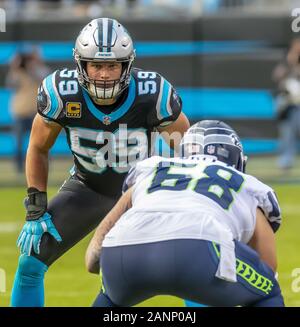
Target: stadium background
220, 61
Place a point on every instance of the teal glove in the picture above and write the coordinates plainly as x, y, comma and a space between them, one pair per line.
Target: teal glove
32, 232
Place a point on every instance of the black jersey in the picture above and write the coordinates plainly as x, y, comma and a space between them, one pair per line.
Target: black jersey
107, 141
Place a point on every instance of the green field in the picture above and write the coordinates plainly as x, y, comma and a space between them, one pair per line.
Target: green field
68, 284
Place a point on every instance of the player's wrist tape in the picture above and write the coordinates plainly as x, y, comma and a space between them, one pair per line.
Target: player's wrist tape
36, 204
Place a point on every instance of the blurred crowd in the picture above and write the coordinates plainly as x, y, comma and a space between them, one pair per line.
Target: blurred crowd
93, 8
26, 71
287, 77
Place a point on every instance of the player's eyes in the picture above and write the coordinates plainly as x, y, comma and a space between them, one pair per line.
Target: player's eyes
96, 66
99, 67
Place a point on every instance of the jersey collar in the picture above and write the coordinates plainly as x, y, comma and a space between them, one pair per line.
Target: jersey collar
118, 113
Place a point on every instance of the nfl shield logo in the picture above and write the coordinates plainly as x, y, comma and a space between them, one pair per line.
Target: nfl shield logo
106, 120
211, 149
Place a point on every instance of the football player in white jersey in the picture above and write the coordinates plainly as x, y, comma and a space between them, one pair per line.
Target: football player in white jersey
196, 227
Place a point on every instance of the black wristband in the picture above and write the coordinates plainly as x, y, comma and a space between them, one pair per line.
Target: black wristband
37, 203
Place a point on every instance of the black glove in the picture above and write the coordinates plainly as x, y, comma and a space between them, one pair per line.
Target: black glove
35, 203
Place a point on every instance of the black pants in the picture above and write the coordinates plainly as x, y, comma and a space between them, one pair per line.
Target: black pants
76, 210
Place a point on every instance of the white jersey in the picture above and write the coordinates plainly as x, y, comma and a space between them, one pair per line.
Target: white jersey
194, 198
175, 198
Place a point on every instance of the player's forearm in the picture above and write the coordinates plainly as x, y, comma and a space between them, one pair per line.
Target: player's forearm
94, 248
266, 251
112, 217
37, 168
263, 240
173, 133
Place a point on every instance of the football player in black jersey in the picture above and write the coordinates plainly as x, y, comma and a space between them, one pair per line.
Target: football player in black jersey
108, 110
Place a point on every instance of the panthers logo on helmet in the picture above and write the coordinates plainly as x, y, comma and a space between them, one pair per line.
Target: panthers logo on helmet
176, 98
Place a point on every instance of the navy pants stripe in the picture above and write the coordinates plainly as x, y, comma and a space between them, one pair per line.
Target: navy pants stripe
186, 269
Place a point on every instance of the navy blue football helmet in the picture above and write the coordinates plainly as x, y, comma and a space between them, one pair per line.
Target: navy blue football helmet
214, 137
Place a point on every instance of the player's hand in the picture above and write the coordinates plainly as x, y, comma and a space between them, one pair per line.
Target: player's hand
92, 257
32, 232
38, 222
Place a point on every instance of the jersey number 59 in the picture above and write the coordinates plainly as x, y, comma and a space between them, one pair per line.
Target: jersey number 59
147, 85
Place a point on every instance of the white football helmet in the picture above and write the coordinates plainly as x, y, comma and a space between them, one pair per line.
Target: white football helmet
104, 40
